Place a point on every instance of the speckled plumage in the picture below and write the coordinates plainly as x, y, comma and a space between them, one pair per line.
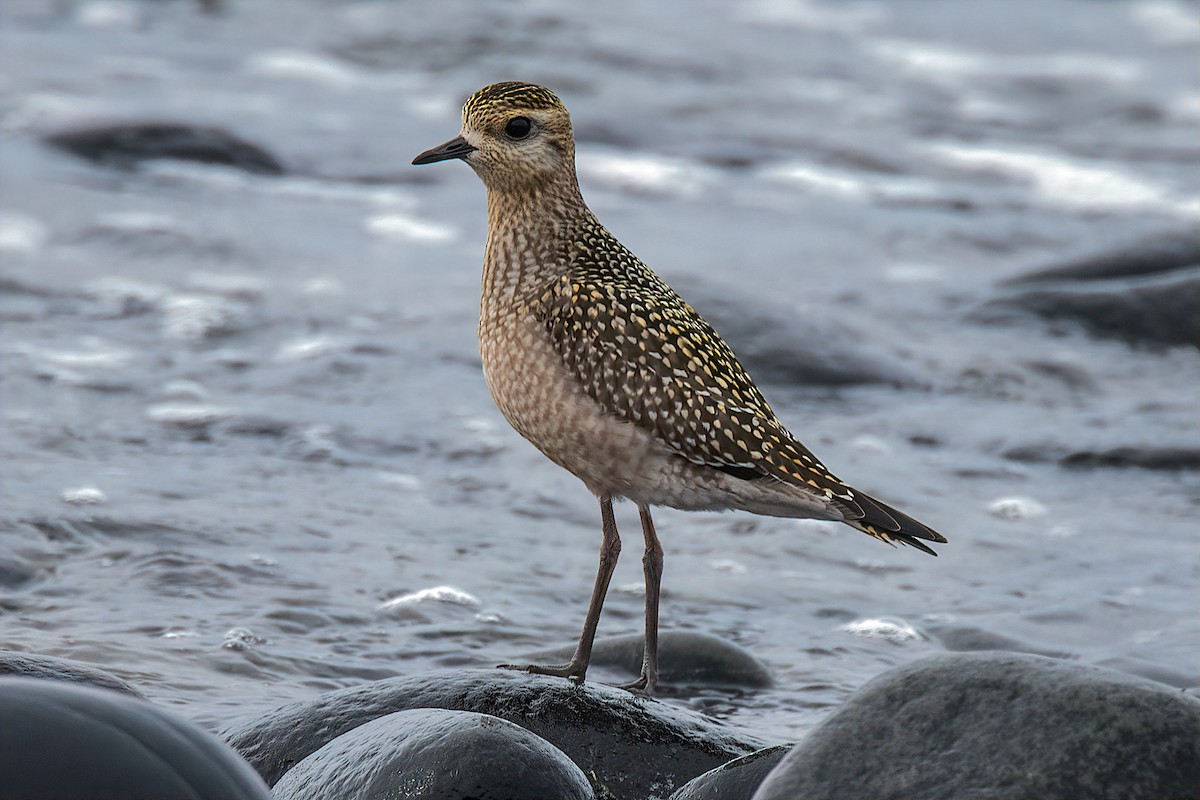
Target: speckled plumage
603, 367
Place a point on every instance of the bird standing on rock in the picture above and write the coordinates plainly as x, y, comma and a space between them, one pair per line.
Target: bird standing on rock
607, 371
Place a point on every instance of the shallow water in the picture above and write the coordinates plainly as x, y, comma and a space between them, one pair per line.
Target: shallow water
246, 438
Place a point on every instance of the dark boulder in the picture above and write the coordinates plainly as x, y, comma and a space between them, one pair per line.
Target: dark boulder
1000, 727
1167, 459
32, 665
1165, 311
1146, 292
736, 780
626, 742
80, 743
126, 146
966, 638
684, 659
434, 753
1163, 252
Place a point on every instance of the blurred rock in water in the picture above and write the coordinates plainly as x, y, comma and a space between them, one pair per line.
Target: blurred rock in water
126, 146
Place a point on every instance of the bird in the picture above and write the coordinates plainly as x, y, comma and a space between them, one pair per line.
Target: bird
598, 363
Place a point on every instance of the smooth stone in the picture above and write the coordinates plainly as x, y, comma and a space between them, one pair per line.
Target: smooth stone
1163, 252
1000, 727
50, 668
1146, 292
72, 742
967, 638
736, 780
627, 743
435, 753
125, 146
1165, 311
684, 657
1167, 459
778, 344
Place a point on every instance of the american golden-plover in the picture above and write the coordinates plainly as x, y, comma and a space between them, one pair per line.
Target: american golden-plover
607, 371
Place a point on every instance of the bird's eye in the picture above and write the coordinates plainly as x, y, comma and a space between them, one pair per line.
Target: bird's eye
518, 127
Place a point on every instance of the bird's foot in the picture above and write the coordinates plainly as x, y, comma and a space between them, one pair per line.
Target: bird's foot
572, 671
643, 686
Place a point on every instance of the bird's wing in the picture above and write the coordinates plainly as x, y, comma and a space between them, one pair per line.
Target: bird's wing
646, 356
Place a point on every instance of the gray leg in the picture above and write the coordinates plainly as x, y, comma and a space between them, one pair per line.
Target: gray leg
652, 566
610, 549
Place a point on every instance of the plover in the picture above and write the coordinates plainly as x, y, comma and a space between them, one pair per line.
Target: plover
606, 370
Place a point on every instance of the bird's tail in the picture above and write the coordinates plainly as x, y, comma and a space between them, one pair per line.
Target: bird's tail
889, 525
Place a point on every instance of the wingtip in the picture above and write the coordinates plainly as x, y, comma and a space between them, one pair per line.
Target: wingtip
886, 523
920, 546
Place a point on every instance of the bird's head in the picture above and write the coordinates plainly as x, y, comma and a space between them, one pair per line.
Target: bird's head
514, 135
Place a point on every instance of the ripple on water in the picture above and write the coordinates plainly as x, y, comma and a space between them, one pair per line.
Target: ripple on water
196, 318
100, 366
241, 639
188, 416
22, 234
330, 191
644, 174
248, 288
424, 604
184, 390
308, 348
1015, 508
304, 66
1066, 182
857, 186
116, 297
956, 66
1168, 22
110, 14
404, 228
728, 565
401, 480
317, 442
84, 496
890, 629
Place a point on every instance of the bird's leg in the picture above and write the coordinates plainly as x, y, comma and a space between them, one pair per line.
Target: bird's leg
652, 565
610, 549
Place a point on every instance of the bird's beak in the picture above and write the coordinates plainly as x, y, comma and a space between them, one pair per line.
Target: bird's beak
455, 148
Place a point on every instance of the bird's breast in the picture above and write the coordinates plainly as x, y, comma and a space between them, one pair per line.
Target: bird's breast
545, 403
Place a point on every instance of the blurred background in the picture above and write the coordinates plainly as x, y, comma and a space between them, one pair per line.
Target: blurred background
247, 450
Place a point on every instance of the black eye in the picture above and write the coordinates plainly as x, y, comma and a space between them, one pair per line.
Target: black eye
518, 127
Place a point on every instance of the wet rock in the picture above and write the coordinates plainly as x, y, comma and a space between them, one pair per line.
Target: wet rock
627, 742
1000, 726
126, 146
966, 638
1164, 312
684, 658
1163, 252
1152, 671
14, 571
78, 743
1147, 292
779, 345
1156, 458
49, 668
736, 780
450, 755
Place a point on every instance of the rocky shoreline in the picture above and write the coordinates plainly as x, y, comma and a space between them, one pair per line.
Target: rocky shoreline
985, 724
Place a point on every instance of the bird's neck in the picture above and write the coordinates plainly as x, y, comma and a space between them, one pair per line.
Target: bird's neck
531, 231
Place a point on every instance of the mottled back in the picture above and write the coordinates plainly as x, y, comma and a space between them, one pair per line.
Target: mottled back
645, 355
